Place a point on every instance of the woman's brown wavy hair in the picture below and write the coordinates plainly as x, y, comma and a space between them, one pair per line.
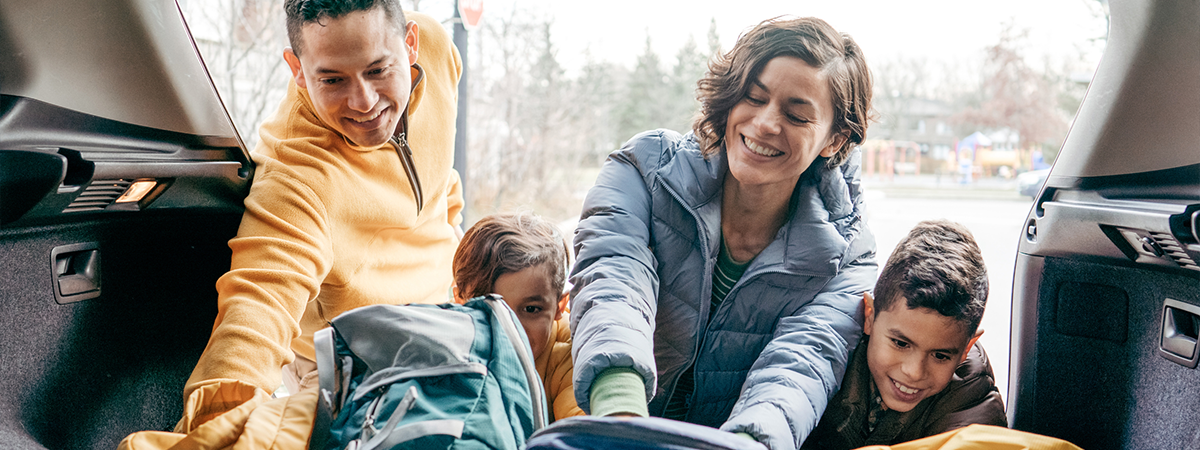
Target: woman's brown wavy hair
810, 39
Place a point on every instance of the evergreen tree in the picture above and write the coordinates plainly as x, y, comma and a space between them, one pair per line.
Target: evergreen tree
646, 101
690, 65
714, 39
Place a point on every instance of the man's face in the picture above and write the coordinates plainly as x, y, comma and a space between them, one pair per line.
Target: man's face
912, 353
356, 70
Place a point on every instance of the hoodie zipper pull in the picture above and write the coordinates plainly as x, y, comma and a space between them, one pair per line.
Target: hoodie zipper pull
410, 168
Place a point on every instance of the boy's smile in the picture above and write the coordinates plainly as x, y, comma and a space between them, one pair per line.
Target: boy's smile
912, 353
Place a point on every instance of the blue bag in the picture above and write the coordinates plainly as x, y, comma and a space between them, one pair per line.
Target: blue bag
635, 433
427, 377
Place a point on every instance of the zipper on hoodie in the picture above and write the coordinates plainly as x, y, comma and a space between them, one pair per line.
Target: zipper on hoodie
400, 141
410, 168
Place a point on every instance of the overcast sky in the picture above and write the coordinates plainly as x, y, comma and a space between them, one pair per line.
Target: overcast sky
616, 30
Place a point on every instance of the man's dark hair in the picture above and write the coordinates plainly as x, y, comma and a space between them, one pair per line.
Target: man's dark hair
300, 12
937, 266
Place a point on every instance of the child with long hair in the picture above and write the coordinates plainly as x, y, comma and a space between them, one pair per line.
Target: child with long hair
524, 259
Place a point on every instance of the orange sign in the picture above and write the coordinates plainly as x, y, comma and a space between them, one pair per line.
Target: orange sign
470, 11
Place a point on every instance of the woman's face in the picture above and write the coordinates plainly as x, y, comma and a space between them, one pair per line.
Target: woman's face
781, 125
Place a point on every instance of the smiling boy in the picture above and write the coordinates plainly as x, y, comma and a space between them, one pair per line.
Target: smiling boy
354, 200
919, 370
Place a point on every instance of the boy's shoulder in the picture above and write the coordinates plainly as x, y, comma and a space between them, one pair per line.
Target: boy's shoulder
971, 397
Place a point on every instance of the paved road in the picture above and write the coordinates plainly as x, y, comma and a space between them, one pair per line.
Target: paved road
994, 217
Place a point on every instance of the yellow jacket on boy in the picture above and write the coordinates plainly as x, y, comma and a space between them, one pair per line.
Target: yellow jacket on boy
556, 369
330, 226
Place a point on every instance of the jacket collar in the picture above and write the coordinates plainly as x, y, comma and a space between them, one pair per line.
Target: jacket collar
825, 213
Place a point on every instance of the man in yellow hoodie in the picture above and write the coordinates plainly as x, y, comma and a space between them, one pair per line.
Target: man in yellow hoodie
354, 200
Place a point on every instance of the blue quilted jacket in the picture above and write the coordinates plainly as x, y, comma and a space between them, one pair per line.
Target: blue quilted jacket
776, 348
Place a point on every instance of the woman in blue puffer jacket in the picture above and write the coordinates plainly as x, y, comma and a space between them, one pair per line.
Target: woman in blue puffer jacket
720, 275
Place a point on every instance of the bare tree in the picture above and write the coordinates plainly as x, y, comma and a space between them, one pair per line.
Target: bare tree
1017, 97
242, 42
531, 132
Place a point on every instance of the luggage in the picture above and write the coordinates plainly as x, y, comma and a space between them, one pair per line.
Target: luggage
635, 433
427, 377
981, 437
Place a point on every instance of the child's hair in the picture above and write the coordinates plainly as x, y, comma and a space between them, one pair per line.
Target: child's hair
508, 243
937, 266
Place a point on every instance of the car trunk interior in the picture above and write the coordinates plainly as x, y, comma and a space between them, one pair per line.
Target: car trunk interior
1106, 298
121, 182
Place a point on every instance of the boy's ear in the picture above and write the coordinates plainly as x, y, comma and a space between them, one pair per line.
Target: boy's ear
562, 305
971, 344
868, 312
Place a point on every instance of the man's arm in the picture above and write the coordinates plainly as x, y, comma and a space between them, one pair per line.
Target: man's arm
280, 256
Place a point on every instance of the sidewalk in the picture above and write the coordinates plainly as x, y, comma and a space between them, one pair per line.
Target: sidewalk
942, 186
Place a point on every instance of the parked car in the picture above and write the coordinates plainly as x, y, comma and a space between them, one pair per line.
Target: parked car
121, 181
1030, 183
1106, 294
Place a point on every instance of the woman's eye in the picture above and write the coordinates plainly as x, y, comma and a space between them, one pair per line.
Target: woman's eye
754, 101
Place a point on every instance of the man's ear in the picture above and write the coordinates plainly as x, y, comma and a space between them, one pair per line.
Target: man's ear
971, 344
562, 305
293, 63
412, 41
835, 143
868, 312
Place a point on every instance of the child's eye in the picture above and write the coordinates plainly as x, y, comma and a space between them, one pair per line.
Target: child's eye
899, 343
941, 356
533, 309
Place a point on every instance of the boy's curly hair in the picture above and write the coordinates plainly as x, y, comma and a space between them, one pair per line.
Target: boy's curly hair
937, 266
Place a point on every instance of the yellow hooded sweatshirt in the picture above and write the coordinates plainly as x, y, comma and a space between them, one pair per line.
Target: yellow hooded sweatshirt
329, 227
556, 369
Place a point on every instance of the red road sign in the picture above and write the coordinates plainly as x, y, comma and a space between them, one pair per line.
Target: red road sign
470, 11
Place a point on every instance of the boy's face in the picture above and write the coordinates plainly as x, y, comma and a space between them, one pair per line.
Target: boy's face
529, 293
356, 70
912, 353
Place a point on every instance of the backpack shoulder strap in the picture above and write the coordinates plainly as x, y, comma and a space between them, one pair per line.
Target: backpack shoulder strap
326, 356
504, 316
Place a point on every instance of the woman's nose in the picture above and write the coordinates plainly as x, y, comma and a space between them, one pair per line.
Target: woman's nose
767, 120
